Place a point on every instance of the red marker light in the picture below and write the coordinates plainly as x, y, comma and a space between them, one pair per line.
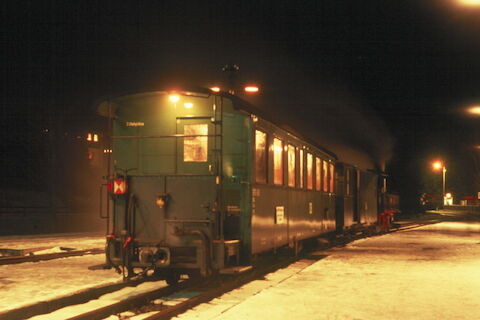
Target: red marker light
117, 186
251, 89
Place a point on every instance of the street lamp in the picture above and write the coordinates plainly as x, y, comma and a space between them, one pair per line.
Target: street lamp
469, 2
437, 166
474, 110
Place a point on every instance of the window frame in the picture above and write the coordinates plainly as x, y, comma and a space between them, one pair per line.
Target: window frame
318, 174
310, 182
301, 169
331, 176
280, 157
196, 139
324, 176
265, 161
291, 150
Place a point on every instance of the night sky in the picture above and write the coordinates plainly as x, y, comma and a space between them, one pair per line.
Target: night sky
412, 64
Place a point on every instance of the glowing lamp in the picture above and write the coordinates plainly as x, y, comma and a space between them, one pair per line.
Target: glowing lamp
251, 89
448, 195
188, 105
469, 2
474, 110
437, 165
174, 98
117, 186
215, 89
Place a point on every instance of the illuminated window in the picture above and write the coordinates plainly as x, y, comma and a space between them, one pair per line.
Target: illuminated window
300, 176
332, 178
325, 176
260, 157
291, 166
318, 174
195, 147
277, 161
309, 171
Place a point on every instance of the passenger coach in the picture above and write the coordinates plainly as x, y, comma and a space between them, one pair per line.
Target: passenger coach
201, 181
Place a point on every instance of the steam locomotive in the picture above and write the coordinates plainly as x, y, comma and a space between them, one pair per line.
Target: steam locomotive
200, 181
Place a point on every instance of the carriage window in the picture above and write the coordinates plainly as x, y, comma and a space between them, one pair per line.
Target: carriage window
332, 178
277, 161
260, 157
309, 171
325, 176
318, 174
291, 166
300, 176
195, 147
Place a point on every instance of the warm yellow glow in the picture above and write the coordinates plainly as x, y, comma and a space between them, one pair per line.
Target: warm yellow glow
448, 195
215, 89
469, 2
251, 89
188, 105
95, 137
174, 98
277, 161
195, 144
474, 110
89, 137
437, 165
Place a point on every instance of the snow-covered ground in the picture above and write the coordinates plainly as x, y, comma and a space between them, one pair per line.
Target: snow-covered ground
31, 282
27, 283
41, 244
431, 272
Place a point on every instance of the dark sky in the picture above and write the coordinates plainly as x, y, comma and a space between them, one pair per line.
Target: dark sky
412, 63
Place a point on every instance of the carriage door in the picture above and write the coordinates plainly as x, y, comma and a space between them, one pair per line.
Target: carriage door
355, 194
192, 189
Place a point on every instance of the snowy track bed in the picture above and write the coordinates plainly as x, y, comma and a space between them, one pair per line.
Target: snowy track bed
432, 272
429, 272
32, 283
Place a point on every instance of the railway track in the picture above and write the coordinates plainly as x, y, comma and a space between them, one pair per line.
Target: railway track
48, 256
168, 302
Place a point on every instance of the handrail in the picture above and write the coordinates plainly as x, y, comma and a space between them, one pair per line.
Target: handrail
101, 203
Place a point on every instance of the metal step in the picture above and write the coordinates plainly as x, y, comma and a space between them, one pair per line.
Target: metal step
236, 270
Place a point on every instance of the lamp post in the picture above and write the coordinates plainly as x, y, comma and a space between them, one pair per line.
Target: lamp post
438, 165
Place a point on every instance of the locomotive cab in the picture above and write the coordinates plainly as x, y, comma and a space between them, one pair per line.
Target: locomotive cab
182, 161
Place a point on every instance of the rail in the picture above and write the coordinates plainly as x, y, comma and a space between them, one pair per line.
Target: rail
34, 210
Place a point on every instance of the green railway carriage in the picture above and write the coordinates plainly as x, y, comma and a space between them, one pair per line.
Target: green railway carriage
201, 181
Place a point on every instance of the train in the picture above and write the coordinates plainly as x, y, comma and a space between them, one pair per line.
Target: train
200, 182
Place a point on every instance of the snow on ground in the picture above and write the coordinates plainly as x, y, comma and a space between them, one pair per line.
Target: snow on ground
432, 272
102, 301
46, 243
31, 282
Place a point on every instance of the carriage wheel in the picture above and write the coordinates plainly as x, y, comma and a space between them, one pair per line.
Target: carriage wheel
172, 278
